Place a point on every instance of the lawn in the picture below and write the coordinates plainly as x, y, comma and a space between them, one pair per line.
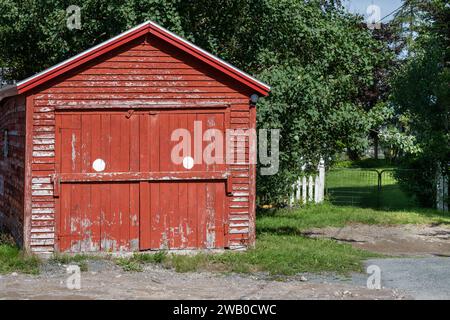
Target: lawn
283, 249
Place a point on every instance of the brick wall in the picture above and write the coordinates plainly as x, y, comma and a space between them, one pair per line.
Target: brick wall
12, 121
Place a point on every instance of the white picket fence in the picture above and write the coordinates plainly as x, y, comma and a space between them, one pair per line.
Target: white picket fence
309, 189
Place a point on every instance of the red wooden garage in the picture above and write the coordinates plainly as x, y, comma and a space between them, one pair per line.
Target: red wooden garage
86, 150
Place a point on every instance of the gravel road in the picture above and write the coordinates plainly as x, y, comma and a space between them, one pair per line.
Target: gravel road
110, 282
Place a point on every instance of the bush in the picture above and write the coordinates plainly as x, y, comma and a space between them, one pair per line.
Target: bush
417, 177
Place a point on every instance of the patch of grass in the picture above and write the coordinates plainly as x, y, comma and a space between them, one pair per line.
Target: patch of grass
283, 247
186, 263
12, 259
284, 221
130, 265
275, 254
291, 254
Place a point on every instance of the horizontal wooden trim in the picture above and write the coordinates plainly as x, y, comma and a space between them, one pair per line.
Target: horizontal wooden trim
141, 176
155, 106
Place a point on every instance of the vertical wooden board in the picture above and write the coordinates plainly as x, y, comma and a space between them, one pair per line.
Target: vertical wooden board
106, 215
192, 222
191, 202
65, 132
64, 236
58, 212
144, 214
190, 121
125, 132
164, 142
220, 125
200, 119
156, 221
124, 217
96, 188
85, 189
76, 214
115, 147
134, 242
76, 144
144, 208
201, 215
183, 196
116, 188
75, 218
174, 214
154, 142
135, 134
125, 188
116, 215
219, 214
210, 215
165, 190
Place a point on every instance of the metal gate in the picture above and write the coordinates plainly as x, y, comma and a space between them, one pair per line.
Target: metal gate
369, 188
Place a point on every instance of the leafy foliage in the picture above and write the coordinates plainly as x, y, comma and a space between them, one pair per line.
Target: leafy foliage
421, 92
34, 33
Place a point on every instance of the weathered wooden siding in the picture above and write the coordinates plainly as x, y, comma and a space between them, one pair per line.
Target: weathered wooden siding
146, 73
12, 119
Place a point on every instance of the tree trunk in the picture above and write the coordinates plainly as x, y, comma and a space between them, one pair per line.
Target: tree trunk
353, 155
375, 145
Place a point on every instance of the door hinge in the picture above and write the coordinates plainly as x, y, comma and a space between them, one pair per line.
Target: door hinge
129, 113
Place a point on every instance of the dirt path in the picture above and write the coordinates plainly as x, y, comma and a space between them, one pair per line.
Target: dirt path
404, 240
157, 283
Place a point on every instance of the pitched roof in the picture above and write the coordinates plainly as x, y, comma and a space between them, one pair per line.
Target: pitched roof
142, 29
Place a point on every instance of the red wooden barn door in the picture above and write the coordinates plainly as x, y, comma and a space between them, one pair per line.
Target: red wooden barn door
181, 214
96, 212
140, 199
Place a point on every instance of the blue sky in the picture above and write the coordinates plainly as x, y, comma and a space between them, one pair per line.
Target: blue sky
360, 6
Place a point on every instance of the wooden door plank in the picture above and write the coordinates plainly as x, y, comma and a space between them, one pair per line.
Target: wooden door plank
96, 189
144, 220
156, 223
106, 244
124, 166
85, 189
201, 215
134, 187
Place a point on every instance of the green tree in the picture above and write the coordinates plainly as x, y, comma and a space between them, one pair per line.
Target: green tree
421, 91
34, 33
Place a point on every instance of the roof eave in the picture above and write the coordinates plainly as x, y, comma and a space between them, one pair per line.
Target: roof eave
8, 91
